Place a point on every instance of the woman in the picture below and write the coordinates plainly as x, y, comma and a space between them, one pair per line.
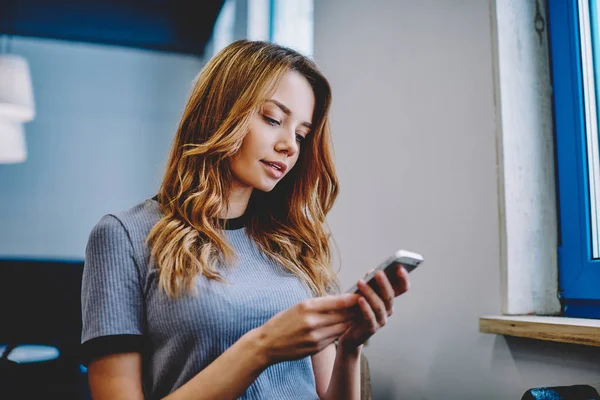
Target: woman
220, 287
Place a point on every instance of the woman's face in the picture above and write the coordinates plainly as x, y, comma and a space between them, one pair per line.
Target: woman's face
273, 143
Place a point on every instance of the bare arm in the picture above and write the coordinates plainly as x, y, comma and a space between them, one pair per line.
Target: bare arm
322, 363
118, 377
337, 374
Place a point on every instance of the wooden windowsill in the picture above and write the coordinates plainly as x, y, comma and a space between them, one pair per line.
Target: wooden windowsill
556, 329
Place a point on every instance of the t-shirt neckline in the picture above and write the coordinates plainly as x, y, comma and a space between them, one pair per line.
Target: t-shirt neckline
231, 224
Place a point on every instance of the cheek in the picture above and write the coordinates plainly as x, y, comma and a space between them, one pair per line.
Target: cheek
243, 164
245, 151
251, 143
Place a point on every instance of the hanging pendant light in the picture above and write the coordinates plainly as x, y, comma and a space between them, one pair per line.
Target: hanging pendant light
12, 142
16, 99
16, 91
16, 107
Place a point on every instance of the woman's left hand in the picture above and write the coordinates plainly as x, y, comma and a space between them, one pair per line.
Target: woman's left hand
374, 308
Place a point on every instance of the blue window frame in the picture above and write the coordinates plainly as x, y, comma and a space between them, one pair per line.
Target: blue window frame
575, 69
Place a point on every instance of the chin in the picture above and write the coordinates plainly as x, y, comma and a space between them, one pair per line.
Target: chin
265, 187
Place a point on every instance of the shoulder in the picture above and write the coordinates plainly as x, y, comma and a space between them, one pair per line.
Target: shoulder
123, 234
134, 223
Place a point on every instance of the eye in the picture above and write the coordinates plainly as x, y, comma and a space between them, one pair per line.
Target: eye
271, 121
299, 138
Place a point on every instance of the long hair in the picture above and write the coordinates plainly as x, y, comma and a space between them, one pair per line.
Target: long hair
288, 224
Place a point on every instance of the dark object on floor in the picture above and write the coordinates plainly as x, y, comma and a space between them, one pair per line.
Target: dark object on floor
576, 392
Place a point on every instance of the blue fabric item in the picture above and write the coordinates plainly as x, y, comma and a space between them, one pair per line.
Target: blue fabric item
576, 392
120, 298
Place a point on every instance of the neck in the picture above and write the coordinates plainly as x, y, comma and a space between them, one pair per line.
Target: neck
239, 198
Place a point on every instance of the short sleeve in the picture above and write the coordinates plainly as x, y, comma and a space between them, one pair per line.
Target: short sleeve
111, 293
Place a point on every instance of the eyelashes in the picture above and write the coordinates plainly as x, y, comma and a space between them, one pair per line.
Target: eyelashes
271, 121
274, 122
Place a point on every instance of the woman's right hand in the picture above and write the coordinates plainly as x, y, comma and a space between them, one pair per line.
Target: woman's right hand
307, 328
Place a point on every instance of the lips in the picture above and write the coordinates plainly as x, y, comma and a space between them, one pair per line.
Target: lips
274, 168
276, 165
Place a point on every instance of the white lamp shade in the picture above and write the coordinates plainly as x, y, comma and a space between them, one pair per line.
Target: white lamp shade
16, 91
12, 142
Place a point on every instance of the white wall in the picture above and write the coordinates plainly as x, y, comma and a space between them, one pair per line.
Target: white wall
105, 118
414, 127
528, 223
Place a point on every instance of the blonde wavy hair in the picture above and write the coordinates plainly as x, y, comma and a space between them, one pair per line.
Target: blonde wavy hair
288, 223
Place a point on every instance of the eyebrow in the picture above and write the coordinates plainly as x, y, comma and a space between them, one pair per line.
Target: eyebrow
287, 111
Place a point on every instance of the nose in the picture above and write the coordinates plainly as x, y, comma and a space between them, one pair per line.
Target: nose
287, 144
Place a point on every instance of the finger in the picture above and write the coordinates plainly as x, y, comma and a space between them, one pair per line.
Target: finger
336, 330
326, 304
386, 291
374, 301
330, 333
368, 314
333, 318
402, 283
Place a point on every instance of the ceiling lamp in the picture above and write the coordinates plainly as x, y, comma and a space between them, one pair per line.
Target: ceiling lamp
16, 91
16, 107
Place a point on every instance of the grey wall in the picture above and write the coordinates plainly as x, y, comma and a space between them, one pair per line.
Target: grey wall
105, 119
415, 136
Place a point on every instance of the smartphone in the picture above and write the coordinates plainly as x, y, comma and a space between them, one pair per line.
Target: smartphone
407, 259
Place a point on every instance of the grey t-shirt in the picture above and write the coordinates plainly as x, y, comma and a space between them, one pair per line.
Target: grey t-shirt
123, 309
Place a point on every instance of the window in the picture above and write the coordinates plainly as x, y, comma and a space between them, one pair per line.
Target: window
575, 51
292, 24
286, 22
